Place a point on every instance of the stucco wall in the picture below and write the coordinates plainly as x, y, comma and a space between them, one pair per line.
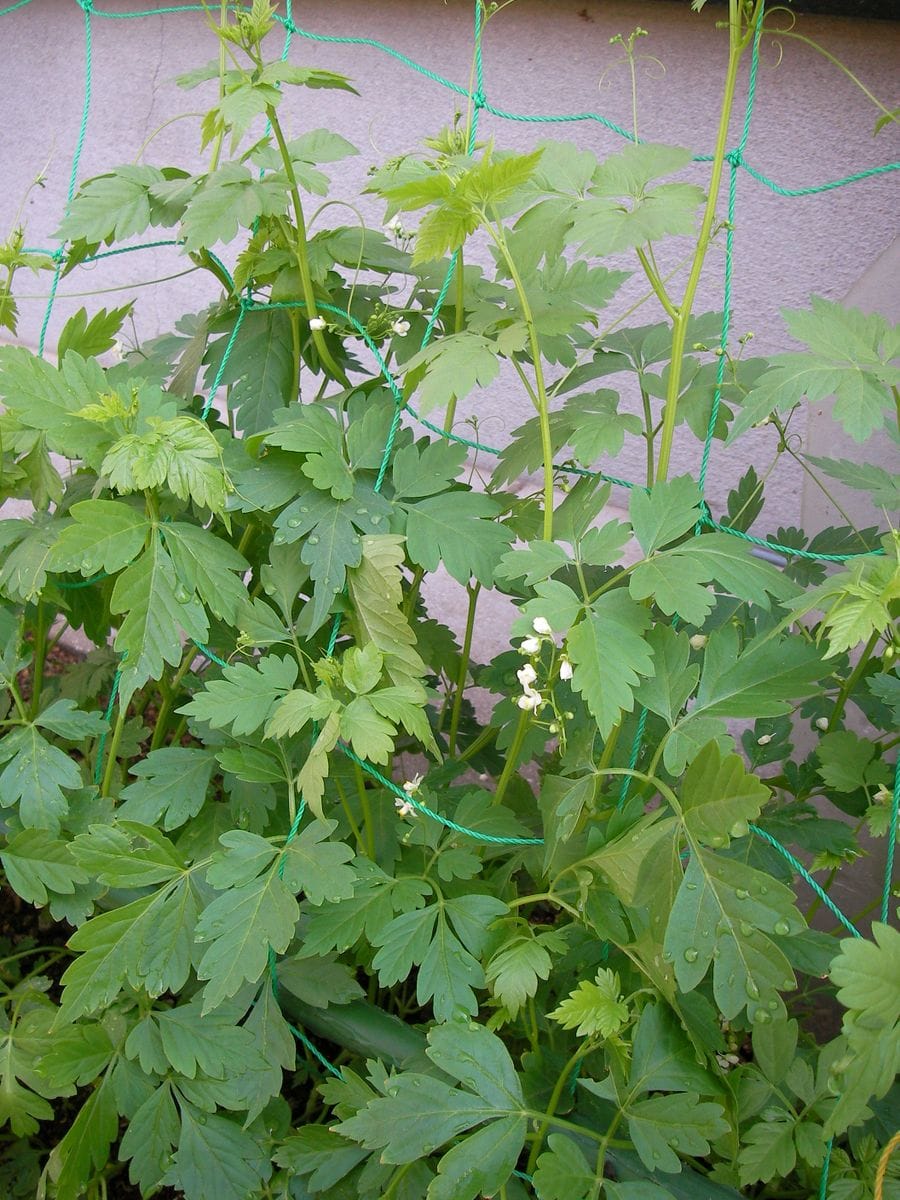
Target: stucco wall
541, 56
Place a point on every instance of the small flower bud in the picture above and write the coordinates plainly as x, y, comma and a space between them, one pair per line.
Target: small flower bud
882, 796
822, 723
317, 323
764, 740
529, 702
527, 675
698, 641
530, 645
393, 225
565, 669
542, 626
400, 328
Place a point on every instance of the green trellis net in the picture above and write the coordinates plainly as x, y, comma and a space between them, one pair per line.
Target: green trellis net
477, 97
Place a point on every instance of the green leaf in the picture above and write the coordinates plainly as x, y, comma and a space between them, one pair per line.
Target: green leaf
605, 225
609, 652
150, 1137
127, 856
295, 711
843, 758
666, 691
259, 370
230, 198
850, 357
451, 366
594, 1007
371, 908
85, 1147
156, 615
171, 786
596, 427
480, 1163
658, 1125
375, 588
35, 861
34, 777
64, 719
181, 451
210, 566
663, 1059
245, 696
319, 982
665, 512
768, 1151
563, 1173
867, 975
93, 337
23, 1092
23, 572
112, 207
216, 1158
425, 469
319, 1153
724, 915
43, 397
106, 536
239, 926
479, 1060
882, 486
514, 971
455, 529
317, 867
719, 797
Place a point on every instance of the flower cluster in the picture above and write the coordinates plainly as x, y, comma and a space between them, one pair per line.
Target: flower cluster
406, 808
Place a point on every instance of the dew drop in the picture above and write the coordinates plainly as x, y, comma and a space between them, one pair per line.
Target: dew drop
182, 595
691, 954
361, 512
304, 508
293, 522
742, 894
673, 1141
739, 829
376, 520
782, 928
313, 541
773, 1005
355, 540
760, 1016
764, 891
752, 990
691, 887
201, 1118
668, 956
788, 985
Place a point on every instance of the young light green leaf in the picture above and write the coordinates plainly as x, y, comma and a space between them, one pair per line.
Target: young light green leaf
451, 366
719, 797
594, 1007
514, 971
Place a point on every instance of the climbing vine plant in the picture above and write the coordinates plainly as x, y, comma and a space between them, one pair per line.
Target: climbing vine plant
332, 908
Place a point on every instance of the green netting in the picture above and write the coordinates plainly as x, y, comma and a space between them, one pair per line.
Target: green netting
477, 97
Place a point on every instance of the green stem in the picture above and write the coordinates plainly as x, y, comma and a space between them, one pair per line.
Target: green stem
852, 679
40, 654
458, 322
309, 294
169, 698
736, 47
220, 137
413, 594
294, 319
486, 736
366, 810
656, 284
648, 436
499, 238
512, 756
553, 1104
463, 669
112, 751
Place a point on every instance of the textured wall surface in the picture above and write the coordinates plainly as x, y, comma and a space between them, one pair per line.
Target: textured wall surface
810, 125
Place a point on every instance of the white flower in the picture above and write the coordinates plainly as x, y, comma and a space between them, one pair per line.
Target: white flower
822, 723
317, 323
764, 740
542, 626
530, 645
527, 675
412, 785
400, 327
530, 701
404, 808
698, 641
393, 225
882, 796
117, 353
565, 668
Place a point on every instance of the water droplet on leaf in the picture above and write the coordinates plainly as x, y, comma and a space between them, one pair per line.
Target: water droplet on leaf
752, 990
691, 954
313, 541
782, 928
742, 894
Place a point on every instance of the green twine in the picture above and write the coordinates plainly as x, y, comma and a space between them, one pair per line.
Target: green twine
891, 846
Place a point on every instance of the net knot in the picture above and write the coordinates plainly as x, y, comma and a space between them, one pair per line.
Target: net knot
734, 157
86, 5
479, 99
289, 26
246, 303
